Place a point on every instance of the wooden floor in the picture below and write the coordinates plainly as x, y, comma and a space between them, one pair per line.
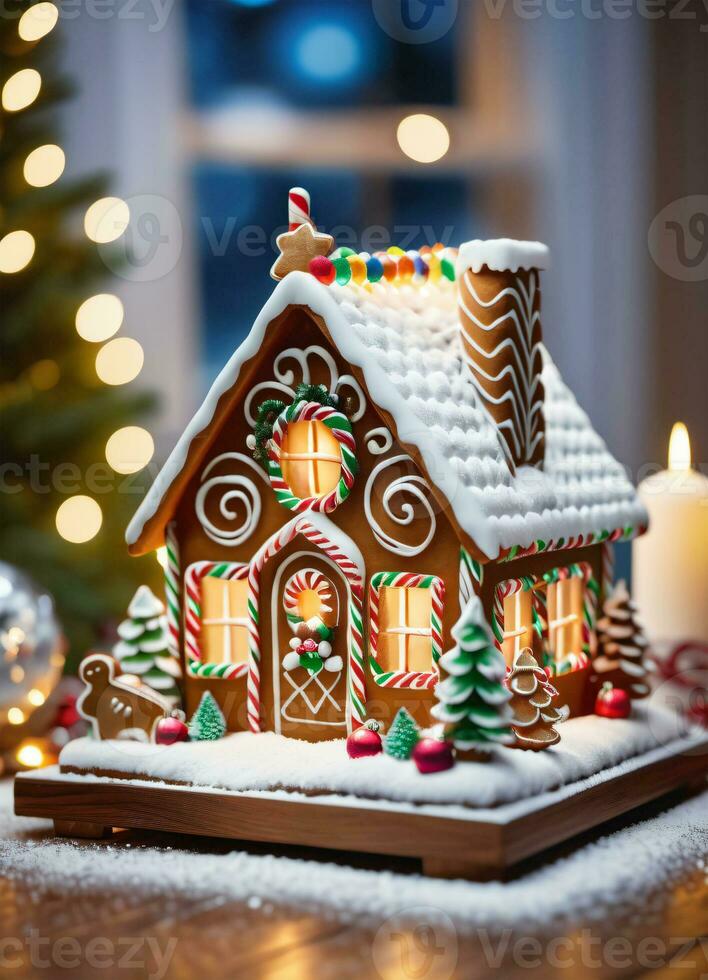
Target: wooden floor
232, 940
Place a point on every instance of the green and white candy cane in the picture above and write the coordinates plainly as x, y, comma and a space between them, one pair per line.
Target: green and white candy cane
341, 428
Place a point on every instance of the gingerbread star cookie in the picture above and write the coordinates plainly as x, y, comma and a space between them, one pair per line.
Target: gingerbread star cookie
298, 248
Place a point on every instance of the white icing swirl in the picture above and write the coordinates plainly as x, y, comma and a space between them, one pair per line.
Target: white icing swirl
407, 485
246, 495
375, 447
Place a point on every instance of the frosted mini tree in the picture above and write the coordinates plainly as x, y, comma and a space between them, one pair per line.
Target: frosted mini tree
402, 736
143, 647
208, 723
623, 646
472, 699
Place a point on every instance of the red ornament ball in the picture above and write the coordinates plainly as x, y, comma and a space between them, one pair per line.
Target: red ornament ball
433, 755
364, 742
613, 702
323, 269
171, 730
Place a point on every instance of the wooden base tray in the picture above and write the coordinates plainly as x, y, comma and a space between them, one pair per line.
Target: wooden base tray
451, 841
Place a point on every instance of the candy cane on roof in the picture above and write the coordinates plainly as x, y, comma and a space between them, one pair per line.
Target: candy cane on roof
298, 208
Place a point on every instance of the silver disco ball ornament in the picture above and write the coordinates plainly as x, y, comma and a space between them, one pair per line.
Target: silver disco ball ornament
31, 649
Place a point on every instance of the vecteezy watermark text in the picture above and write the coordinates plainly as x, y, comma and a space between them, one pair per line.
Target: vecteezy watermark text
693, 11
139, 953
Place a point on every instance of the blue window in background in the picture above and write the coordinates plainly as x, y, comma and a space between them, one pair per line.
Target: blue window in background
310, 54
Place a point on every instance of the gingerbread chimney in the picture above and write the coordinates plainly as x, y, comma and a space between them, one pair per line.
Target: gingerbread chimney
500, 318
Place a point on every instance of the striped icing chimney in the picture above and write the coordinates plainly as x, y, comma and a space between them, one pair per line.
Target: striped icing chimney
500, 320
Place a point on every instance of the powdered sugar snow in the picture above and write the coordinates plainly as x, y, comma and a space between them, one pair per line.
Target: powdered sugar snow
266, 761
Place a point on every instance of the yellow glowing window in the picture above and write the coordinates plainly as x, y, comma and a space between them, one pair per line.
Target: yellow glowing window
565, 617
224, 636
405, 630
518, 625
310, 459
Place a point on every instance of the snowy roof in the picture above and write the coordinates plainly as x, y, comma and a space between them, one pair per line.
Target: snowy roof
406, 342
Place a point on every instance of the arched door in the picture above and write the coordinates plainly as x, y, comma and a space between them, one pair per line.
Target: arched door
309, 609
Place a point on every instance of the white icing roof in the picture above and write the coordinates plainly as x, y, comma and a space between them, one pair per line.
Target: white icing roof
405, 340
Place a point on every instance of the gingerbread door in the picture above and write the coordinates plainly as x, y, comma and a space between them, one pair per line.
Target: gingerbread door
309, 635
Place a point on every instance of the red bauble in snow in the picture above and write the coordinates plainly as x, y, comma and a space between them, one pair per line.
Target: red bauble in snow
171, 730
612, 702
433, 755
365, 741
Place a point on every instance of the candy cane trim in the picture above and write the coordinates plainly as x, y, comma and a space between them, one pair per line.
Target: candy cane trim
193, 578
356, 691
406, 678
341, 428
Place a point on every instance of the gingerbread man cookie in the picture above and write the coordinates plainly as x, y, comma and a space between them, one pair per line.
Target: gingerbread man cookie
115, 707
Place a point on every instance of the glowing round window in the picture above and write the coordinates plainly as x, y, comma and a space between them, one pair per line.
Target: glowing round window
312, 461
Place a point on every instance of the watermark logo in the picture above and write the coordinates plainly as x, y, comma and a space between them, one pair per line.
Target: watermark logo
418, 944
678, 238
416, 21
151, 245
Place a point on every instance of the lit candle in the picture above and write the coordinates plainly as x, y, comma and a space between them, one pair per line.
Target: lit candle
670, 562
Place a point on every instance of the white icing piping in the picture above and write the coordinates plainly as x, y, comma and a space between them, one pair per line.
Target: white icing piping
248, 495
413, 485
378, 448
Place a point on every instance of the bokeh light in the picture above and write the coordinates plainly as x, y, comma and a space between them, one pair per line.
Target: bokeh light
44, 375
79, 519
423, 138
99, 317
16, 251
30, 755
130, 449
44, 165
35, 697
119, 361
38, 21
328, 52
16, 716
106, 220
21, 89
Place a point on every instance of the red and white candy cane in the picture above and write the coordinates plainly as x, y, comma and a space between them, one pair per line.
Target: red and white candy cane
298, 208
172, 590
406, 580
357, 685
193, 578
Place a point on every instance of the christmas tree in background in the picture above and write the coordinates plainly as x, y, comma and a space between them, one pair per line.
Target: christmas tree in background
207, 722
57, 414
472, 699
622, 645
531, 696
402, 736
143, 647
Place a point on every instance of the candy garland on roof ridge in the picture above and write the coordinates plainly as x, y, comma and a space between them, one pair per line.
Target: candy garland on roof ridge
394, 266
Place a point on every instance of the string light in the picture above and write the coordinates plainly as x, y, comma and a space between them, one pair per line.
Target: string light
130, 449
16, 251
38, 21
423, 138
106, 220
79, 519
30, 755
21, 89
44, 165
99, 317
119, 361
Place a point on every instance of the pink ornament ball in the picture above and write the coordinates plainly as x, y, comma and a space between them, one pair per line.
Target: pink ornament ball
171, 730
364, 742
433, 755
323, 269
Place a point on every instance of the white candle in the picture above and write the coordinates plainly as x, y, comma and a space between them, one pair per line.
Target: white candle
670, 562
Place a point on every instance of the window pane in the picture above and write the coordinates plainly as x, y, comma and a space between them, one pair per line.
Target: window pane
223, 601
310, 459
391, 653
518, 625
420, 652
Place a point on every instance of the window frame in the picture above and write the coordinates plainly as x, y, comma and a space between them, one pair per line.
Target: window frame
193, 619
408, 580
341, 428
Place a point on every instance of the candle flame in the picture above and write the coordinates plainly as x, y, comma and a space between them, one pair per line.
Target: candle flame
679, 448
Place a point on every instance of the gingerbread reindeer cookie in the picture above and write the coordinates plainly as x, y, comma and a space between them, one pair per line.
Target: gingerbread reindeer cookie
115, 707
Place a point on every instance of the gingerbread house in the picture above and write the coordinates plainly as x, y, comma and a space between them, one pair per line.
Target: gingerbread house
384, 446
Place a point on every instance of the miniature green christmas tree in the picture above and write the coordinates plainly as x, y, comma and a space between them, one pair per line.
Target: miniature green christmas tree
143, 648
207, 722
402, 736
473, 700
